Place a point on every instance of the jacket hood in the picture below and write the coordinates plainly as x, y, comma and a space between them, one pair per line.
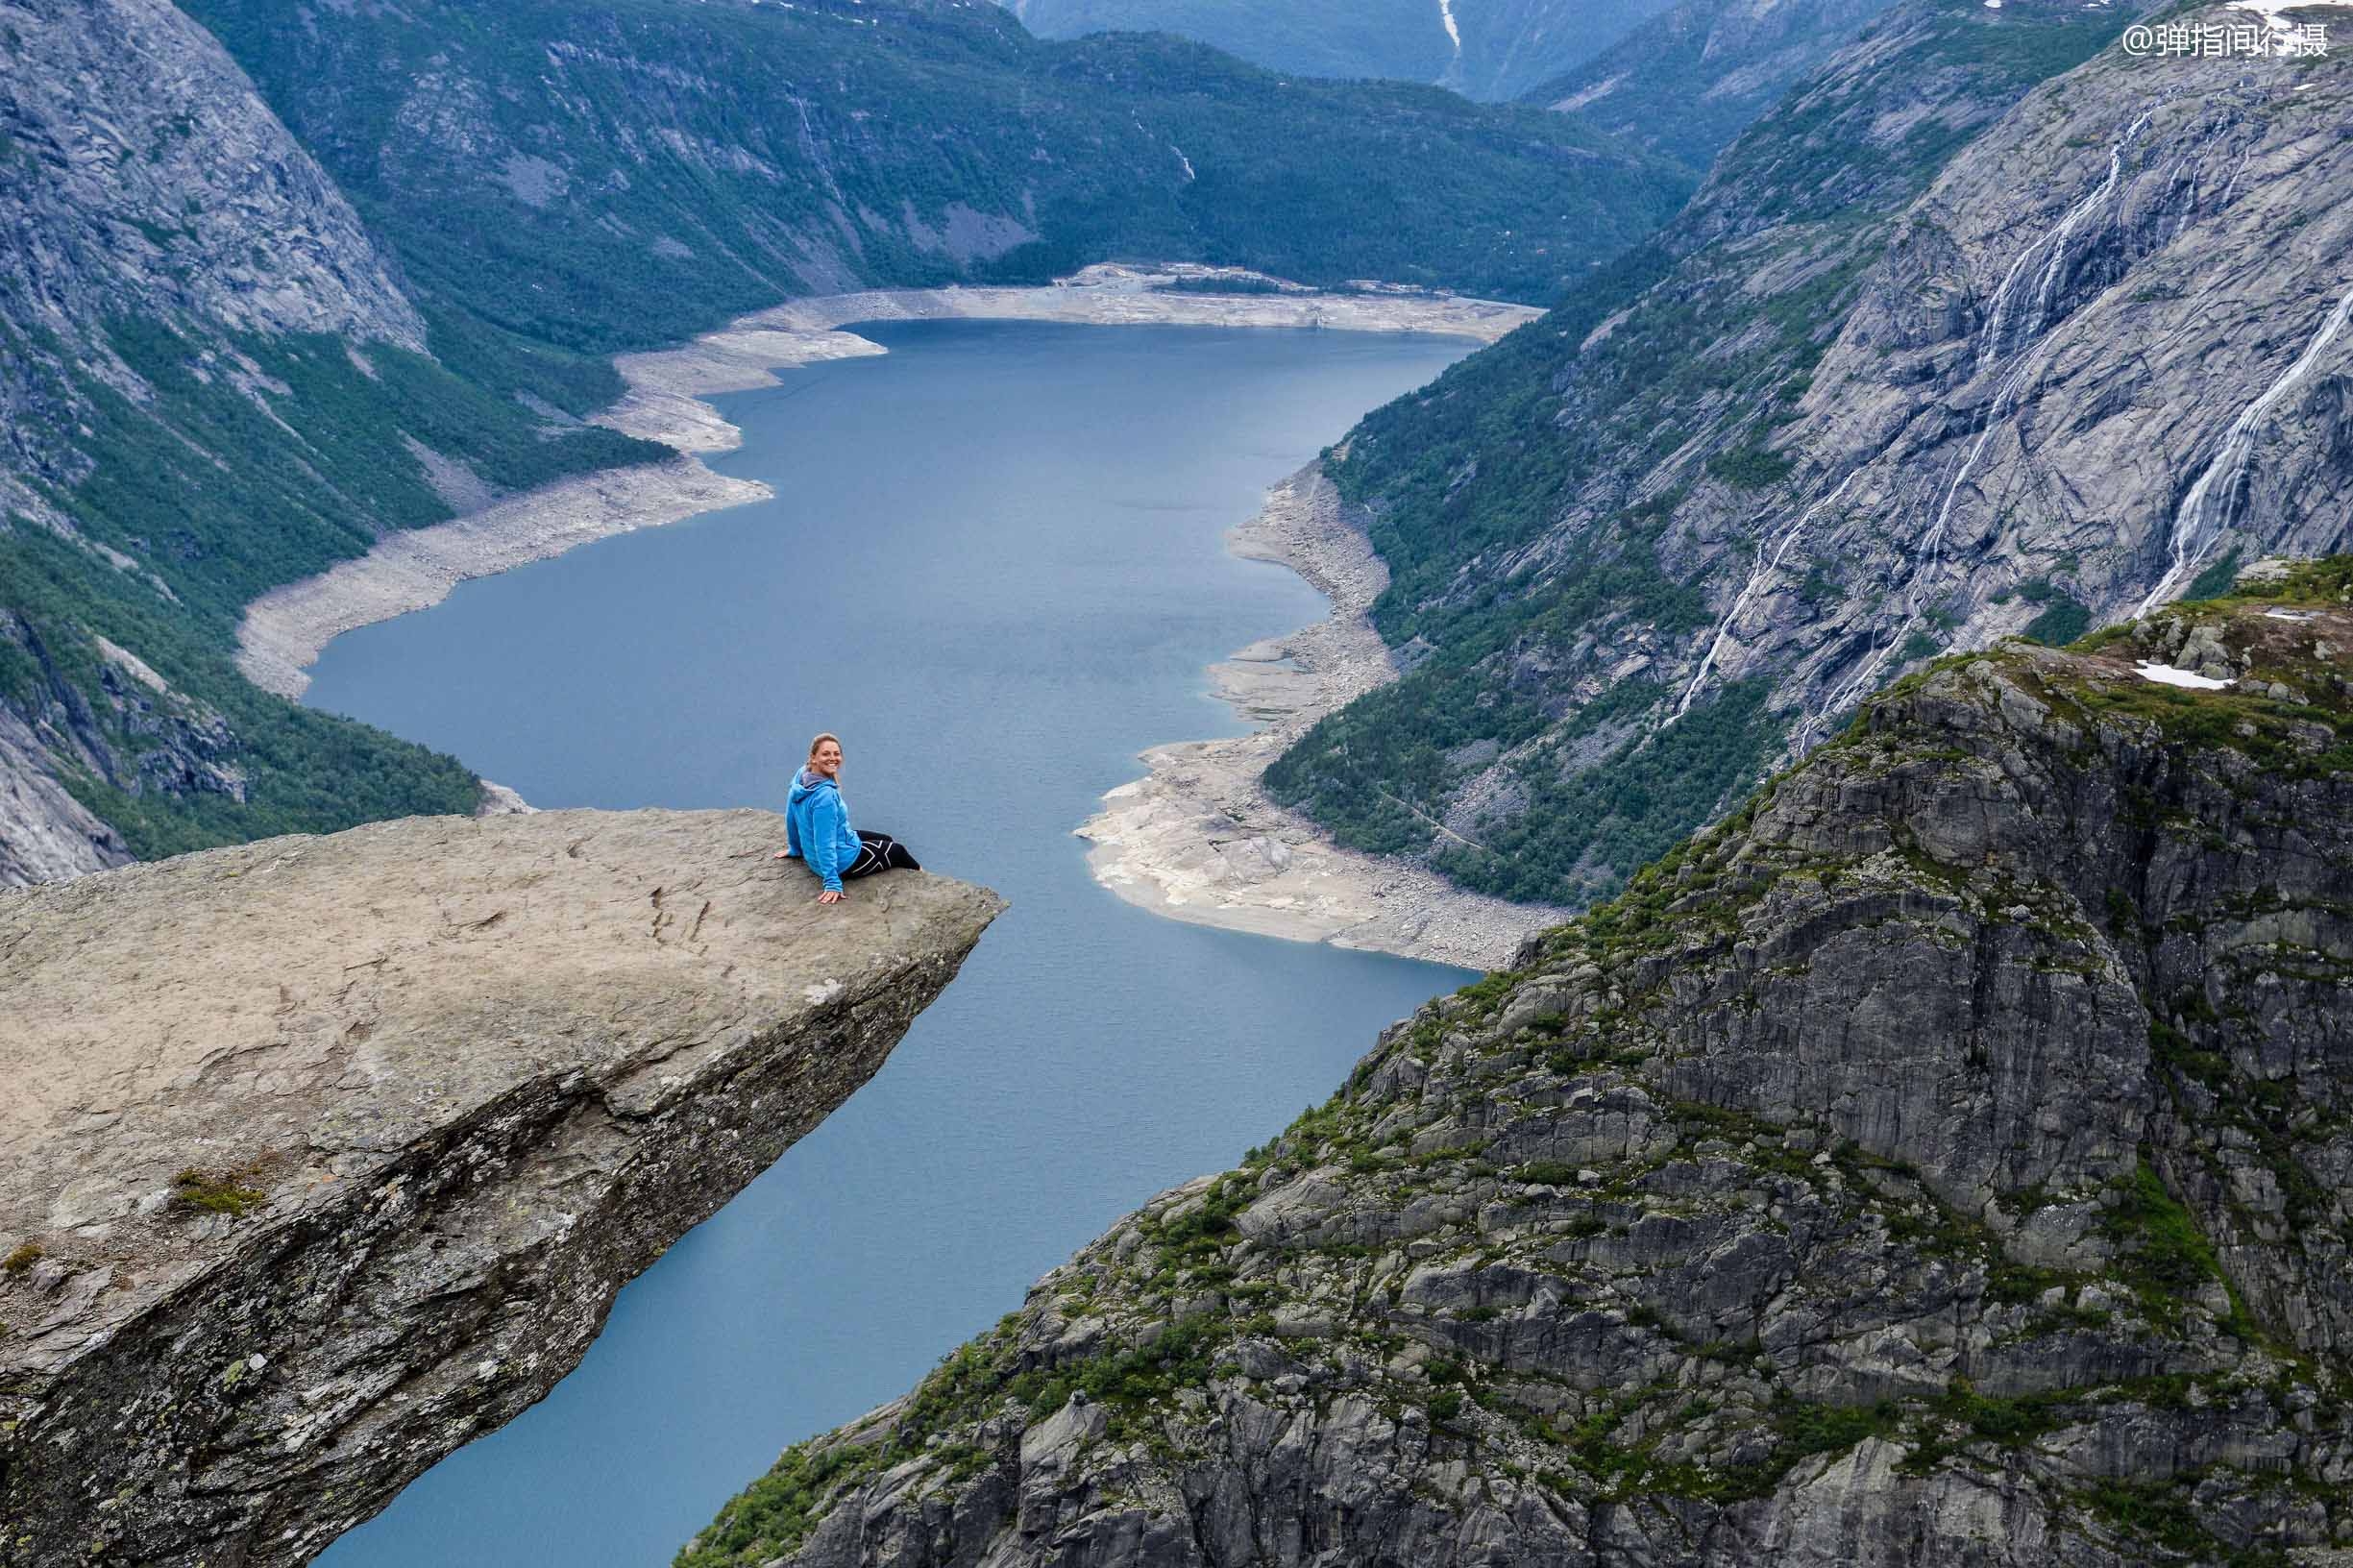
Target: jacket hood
808, 782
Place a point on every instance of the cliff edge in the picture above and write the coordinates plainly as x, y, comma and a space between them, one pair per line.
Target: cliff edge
1946, 1162
322, 1155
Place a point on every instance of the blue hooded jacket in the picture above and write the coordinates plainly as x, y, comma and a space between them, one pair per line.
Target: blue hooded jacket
816, 826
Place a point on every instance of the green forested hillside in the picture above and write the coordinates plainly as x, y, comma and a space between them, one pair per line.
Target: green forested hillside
1667, 371
608, 175
210, 384
218, 498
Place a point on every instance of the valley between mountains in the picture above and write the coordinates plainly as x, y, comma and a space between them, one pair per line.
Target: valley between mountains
1863, 652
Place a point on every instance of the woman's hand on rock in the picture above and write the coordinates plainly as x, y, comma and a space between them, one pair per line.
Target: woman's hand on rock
831, 895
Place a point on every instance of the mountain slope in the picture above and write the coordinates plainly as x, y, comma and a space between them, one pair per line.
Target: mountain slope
207, 369
601, 176
1486, 49
1688, 81
1932, 357
1945, 1162
1401, 40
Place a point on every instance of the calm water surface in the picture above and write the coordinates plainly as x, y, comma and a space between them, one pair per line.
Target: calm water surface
994, 566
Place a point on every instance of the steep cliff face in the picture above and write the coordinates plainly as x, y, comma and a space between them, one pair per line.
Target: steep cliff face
1936, 356
140, 177
45, 834
1948, 1160
212, 377
2127, 312
141, 170
323, 1155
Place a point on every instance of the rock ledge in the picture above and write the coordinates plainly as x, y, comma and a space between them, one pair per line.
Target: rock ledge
323, 1155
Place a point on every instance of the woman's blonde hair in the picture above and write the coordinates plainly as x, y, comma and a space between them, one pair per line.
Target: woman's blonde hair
821, 738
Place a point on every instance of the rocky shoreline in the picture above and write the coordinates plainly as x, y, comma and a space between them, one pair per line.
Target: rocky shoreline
284, 631
1196, 839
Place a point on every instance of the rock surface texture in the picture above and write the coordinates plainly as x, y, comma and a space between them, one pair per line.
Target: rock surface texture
323, 1155
1690, 79
1989, 327
1947, 1160
139, 176
142, 170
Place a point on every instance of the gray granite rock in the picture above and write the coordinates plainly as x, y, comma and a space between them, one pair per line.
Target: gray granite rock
1943, 1162
322, 1155
142, 180
1947, 354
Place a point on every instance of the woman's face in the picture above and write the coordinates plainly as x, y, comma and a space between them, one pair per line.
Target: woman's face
827, 759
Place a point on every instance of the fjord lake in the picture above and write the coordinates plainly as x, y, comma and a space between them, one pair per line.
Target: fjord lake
994, 565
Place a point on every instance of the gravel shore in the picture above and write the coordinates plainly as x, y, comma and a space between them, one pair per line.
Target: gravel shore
1196, 839
282, 631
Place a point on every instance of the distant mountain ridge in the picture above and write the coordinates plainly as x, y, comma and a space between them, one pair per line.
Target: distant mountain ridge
1687, 82
575, 170
1486, 49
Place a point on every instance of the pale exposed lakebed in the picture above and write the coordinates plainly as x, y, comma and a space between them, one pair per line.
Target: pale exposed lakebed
994, 565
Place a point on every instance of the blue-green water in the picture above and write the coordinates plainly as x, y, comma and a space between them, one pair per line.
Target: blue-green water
994, 566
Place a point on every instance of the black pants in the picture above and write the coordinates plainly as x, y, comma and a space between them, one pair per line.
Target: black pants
879, 852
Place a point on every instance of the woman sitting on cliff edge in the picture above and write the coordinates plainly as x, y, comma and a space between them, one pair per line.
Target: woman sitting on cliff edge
817, 827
